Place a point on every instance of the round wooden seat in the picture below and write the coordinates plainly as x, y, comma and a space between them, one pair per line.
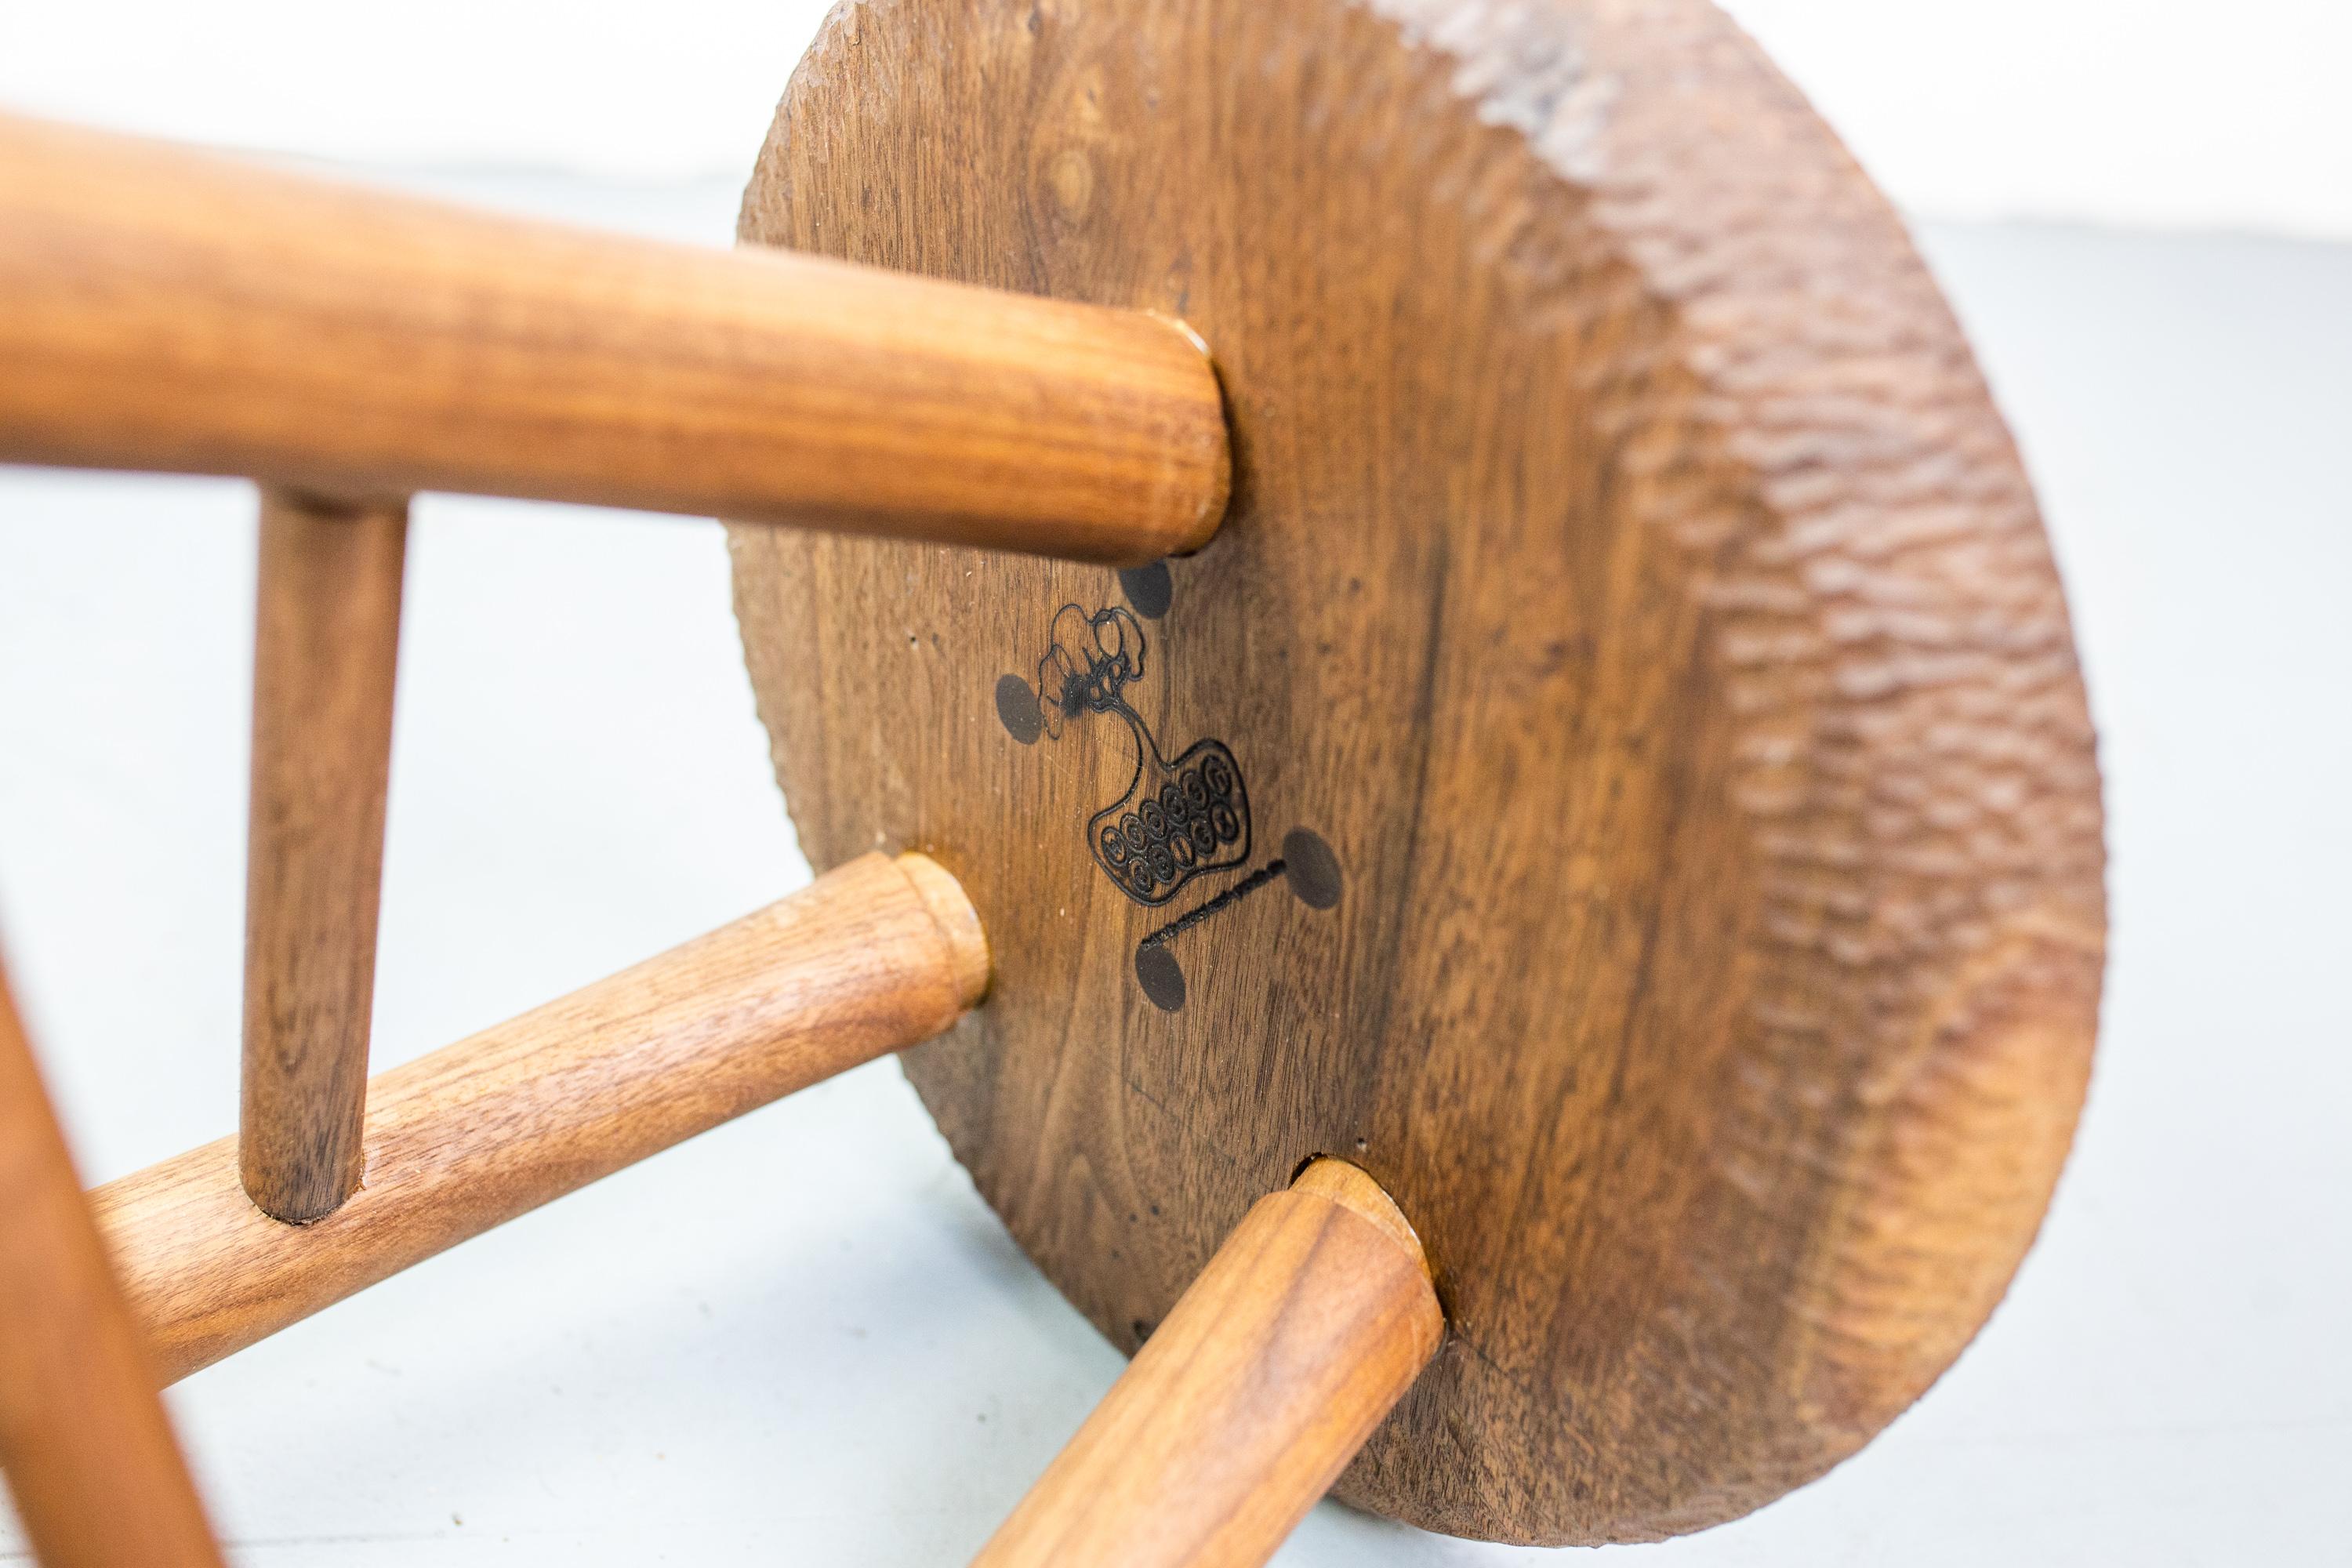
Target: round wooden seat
1666, 847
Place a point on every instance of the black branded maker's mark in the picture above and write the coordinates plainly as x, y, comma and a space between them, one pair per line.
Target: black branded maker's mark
1178, 819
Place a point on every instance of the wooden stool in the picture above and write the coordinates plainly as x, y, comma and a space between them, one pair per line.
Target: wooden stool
1409, 640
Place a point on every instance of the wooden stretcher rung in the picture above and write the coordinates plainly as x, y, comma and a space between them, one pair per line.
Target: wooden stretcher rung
326, 640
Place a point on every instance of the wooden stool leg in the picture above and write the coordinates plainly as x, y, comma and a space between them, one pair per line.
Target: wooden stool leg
88, 1452
169, 309
326, 637
873, 956
1309, 1323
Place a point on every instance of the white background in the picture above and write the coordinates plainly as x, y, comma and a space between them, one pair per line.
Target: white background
801, 1338
2175, 113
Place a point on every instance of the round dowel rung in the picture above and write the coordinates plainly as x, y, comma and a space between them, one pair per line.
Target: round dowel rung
326, 642
877, 954
92, 1468
165, 310
1307, 1326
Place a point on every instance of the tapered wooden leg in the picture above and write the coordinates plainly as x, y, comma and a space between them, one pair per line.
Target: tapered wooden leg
326, 641
1239, 1413
170, 309
874, 955
88, 1453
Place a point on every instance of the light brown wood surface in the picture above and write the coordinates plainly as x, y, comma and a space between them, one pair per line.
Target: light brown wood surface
162, 309
326, 645
1311, 1320
96, 1478
1629, 585
873, 956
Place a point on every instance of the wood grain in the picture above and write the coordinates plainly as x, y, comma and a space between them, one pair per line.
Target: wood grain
92, 1468
1628, 581
326, 648
160, 308
1311, 1320
873, 956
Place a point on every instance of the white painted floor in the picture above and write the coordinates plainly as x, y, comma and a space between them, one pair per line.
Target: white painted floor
803, 1339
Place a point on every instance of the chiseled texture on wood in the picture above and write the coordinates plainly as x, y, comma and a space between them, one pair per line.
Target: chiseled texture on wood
1630, 582
326, 644
859, 963
1309, 1322
92, 1468
161, 309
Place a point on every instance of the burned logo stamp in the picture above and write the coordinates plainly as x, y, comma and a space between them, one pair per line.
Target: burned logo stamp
1180, 818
